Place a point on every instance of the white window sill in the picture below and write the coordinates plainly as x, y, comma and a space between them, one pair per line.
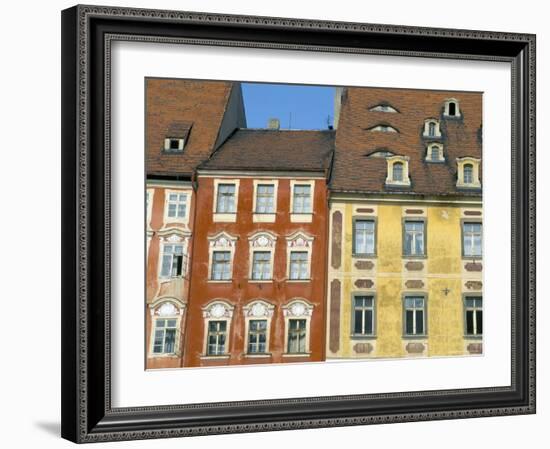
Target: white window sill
257, 356
263, 218
473, 185
301, 218
390, 182
225, 218
163, 356
301, 354
215, 357
296, 281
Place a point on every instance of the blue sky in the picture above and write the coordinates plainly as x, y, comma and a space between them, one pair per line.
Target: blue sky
303, 107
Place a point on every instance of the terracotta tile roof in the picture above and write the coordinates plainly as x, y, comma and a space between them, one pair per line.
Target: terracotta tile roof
275, 150
185, 109
354, 171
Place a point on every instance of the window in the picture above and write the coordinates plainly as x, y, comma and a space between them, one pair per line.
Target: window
265, 195
226, 199
415, 314
299, 265
257, 336
471, 239
473, 316
177, 205
302, 199
296, 336
174, 144
398, 171
363, 238
431, 129
468, 173
384, 129
165, 336
261, 265
383, 107
414, 238
452, 108
172, 261
221, 265
217, 336
363, 315
435, 153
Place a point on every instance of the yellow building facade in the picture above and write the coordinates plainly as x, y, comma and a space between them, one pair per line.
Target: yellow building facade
443, 278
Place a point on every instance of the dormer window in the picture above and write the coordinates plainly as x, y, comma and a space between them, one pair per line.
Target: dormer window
380, 153
468, 173
174, 144
431, 128
434, 153
452, 108
383, 107
398, 171
383, 129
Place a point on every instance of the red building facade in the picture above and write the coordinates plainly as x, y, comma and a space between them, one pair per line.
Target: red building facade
258, 273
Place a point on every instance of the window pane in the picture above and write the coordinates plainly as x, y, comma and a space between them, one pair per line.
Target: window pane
169, 340
358, 328
166, 265
479, 321
419, 322
469, 322
368, 322
398, 171
409, 322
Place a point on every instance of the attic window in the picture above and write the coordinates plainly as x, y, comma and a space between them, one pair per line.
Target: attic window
452, 108
383, 129
174, 144
431, 128
468, 173
380, 154
383, 108
434, 153
398, 171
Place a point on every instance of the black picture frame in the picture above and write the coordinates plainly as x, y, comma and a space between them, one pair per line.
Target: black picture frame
87, 415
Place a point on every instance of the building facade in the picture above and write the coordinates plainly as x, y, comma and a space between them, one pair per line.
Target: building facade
186, 120
259, 269
405, 240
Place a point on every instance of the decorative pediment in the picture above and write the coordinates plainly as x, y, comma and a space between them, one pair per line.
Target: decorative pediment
258, 309
298, 308
174, 235
167, 306
218, 309
263, 239
299, 240
222, 240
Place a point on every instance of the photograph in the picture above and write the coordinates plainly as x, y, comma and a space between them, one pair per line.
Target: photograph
294, 223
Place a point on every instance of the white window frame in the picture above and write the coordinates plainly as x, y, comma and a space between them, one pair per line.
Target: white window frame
424, 238
217, 310
221, 241
225, 217
406, 182
448, 101
172, 238
158, 310
185, 218
437, 130
473, 309
181, 144
372, 296
461, 162
429, 151
262, 241
424, 309
258, 309
298, 308
463, 236
302, 217
299, 242
258, 217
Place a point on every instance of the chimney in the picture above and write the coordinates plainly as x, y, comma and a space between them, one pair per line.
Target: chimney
273, 123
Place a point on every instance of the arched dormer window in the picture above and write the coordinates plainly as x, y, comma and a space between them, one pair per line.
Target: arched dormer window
452, 108
398, 171
383, 107
431, 128
468, 173
383, 129
434, 153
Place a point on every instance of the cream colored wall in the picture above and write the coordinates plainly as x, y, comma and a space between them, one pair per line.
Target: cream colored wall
443, 277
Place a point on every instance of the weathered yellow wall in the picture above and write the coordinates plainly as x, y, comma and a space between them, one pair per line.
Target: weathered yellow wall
443, 277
